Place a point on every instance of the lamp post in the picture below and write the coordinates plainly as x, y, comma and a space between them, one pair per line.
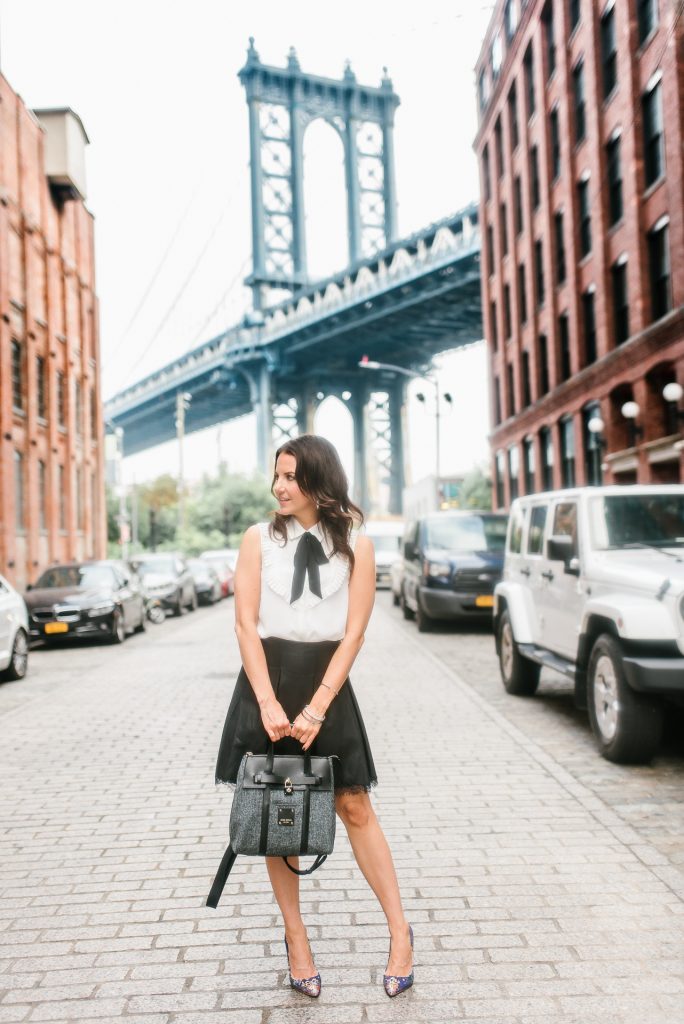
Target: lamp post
631, 410
371, 364
596, 426
183, 399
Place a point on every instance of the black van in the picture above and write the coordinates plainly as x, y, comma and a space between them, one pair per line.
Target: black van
452, 561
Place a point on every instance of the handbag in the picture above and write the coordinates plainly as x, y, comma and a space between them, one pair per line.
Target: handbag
284, 806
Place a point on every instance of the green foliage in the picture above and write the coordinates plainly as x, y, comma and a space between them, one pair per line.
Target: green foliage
476, 490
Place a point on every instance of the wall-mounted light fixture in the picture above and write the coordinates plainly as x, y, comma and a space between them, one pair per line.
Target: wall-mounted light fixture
631, 410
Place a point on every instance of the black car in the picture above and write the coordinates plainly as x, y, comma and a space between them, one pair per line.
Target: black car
452, 561
166, 576
207, 583
84, 599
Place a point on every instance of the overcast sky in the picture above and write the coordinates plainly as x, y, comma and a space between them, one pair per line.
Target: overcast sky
155, 83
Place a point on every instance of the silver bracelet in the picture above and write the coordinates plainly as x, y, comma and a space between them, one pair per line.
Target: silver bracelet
309, 714
336, 692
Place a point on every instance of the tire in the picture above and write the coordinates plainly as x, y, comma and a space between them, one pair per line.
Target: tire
519, 675
407, 612
423, 621
118, 633
156, 614
19, 660
628, 726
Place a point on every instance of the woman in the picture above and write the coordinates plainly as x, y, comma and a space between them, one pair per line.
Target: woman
304, 592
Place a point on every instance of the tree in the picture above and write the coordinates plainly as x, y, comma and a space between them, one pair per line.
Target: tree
476, 490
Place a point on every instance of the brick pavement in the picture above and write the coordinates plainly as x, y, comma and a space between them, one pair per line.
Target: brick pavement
528, 902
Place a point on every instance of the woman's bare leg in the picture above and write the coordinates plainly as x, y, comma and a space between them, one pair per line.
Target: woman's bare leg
286, 890
373, 856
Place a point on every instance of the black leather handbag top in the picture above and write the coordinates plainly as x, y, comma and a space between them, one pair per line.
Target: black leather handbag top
302, 771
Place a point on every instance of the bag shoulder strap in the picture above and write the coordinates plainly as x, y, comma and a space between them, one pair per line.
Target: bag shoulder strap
219, 882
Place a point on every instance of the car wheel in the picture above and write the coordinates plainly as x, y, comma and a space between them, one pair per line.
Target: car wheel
627, 725
156, 613
118, 633
423, 621
19, 660
519, 675
407, 612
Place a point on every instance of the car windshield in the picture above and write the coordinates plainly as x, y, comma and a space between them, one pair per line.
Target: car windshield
633, 520
158, 565
78, 576
467, 533
386, 543
198, 567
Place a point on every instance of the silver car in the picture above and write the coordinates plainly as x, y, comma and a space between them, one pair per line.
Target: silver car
13, 632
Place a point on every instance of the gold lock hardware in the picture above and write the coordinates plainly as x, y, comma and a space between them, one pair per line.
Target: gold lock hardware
289, 788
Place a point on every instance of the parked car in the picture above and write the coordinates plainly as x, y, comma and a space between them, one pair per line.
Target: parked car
84, 599
386, 535
207, 583
397, 579
223, 562
166, 576
14, 632
452, 561
593, 587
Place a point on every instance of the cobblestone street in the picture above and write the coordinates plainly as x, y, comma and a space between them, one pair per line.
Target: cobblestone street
543, 883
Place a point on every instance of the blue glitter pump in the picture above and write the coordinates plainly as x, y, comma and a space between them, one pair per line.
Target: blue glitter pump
307, 986
396, 983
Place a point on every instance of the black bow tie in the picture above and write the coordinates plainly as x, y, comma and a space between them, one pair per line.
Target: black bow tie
308, 556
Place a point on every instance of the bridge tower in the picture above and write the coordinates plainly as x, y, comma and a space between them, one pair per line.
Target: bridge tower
282, 102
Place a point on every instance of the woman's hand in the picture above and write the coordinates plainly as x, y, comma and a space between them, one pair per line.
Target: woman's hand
274, 720
305, 731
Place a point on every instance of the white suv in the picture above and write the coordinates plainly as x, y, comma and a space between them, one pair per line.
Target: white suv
593, 586
13, 632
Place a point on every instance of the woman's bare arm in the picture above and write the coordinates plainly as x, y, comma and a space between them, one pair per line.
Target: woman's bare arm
247, 598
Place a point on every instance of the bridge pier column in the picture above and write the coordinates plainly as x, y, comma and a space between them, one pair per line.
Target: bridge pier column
264, 420
358, 405
306, 410
396, 396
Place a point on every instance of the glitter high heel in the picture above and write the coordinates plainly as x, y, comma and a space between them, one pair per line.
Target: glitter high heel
396, 983
307, 986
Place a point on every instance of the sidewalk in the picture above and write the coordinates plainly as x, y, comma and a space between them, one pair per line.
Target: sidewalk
527, 901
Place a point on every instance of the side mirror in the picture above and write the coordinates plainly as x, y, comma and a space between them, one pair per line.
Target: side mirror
561, 549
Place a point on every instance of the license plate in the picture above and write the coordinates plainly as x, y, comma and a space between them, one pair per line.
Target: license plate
485, 601
56, 627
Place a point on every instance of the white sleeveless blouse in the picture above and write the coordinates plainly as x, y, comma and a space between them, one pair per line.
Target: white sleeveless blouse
310, 617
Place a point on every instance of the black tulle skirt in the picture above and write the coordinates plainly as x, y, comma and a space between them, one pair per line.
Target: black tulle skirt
296, 669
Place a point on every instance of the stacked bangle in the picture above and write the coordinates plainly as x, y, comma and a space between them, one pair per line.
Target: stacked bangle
311, 717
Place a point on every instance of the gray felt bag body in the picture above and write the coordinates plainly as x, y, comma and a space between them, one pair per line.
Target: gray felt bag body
284, 806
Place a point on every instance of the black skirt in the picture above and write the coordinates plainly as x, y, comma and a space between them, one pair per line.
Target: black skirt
296, 669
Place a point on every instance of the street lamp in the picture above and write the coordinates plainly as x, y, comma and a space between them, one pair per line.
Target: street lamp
630, 410
672, 393
596, 426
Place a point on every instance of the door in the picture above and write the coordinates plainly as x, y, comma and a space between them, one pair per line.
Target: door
560, 592
536, 586
411, 564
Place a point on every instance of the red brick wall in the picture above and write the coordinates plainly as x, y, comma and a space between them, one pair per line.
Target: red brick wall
48, 304
655, 348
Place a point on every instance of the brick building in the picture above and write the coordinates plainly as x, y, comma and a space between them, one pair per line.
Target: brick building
581, 108
51, 444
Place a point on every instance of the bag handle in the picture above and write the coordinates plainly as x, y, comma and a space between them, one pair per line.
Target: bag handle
308, 871
270, 754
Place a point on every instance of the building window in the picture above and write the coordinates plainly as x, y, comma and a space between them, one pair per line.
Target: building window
513, 117
659, 268
517, 189
654, 139
589, 318
482, 91
510, 19
497, 402
554, 129
528, 464
618, 275
564, 346
93, 415
17, 376
61, 399
527, 391
549, 41
546, 461
486, 178
503, 228
507, 310
490, 250
513, 471
579, 102
567, 438
543, 361
496, 56
528, 71
79, 498
574, 13
560, 246
61, 483
493, 326
522, 293
608, 52
78, 406
510, 389
41, 389
647, 15
42, 496
498, 147
534, 177
19, 496
585, 217
539, 270
499, 473
592, 447
614, 168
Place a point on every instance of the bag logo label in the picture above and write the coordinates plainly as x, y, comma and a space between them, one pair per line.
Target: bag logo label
286, 815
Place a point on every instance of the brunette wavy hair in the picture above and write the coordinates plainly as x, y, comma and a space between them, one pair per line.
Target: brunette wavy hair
321, 477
